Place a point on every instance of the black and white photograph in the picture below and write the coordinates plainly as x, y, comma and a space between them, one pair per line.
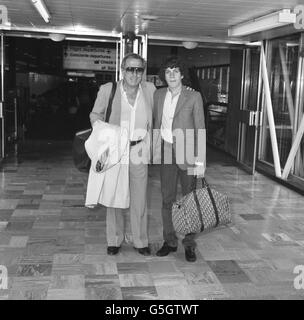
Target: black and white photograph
152, 153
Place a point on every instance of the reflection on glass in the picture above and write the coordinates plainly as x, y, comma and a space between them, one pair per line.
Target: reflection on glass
214, 83
299, 160
282, 66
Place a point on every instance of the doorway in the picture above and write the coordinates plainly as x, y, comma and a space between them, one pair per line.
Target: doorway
249, 115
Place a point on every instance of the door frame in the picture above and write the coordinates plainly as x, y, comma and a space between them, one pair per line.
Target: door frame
2, 97
251, 118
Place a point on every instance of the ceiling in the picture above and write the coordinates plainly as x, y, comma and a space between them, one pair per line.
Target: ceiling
205, 21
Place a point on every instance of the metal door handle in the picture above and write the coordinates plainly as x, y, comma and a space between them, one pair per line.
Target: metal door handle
251, 118
255, 118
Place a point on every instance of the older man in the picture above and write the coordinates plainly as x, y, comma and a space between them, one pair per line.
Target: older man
131, 108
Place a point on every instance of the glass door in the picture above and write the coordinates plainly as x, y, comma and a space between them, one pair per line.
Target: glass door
2, 134
8, 105
249, 115
283, 69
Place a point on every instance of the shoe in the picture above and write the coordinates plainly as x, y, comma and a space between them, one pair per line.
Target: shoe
144, 251
165, 250
112, 250
190, 254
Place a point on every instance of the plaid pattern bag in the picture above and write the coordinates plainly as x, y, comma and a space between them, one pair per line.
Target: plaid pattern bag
200, 210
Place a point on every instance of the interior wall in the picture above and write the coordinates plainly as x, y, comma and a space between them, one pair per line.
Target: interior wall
201, 57
235, 91
22, 80
197, 57
40, 83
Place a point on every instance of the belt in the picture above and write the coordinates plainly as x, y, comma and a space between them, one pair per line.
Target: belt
133, 143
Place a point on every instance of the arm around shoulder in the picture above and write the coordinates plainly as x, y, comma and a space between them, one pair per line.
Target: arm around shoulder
151, 86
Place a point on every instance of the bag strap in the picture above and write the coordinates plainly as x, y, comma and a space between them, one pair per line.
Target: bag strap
213, 203
198, 209
109, 109
206, 185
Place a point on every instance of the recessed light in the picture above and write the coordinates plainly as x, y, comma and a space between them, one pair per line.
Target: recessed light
148, 17
189, 44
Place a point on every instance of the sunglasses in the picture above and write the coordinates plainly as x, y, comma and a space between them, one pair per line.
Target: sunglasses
138, 70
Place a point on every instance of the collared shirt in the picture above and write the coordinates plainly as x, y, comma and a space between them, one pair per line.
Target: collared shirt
168, 115
131, 110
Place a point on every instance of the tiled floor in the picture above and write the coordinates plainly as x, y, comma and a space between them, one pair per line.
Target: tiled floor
54, 248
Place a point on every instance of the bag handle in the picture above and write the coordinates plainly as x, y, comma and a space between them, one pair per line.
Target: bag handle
109, 108
205, 185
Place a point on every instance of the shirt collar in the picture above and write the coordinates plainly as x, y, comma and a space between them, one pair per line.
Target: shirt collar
178, 93
123, 89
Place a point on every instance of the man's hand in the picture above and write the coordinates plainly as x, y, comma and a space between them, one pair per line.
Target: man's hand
102, 160
199, 170
189, 88
95, 122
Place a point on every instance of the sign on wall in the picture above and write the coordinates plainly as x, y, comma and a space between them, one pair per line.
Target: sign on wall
89, 58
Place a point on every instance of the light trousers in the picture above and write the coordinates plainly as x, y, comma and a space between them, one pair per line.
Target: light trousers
138, 178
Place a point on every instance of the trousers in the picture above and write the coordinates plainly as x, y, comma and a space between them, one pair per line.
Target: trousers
169, 174
115, 224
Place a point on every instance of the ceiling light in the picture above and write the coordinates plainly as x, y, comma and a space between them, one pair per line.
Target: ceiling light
57, 37
42, 9
148, 17
255, 43
292, 44
270, 21
190, 44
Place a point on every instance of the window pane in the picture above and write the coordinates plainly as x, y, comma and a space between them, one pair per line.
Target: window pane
299, 160
282, 65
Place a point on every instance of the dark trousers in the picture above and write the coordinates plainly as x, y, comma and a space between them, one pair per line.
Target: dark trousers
169, 174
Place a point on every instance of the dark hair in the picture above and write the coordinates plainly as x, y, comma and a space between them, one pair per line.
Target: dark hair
172, 62
132, 56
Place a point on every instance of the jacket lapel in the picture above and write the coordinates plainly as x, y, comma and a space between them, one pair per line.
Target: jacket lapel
181, 101
160, 107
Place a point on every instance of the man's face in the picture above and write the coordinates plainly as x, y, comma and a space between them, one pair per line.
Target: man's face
133, 72
173, 77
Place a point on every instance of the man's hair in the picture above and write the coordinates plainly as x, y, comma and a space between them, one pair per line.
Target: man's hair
132, 56
172, 62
